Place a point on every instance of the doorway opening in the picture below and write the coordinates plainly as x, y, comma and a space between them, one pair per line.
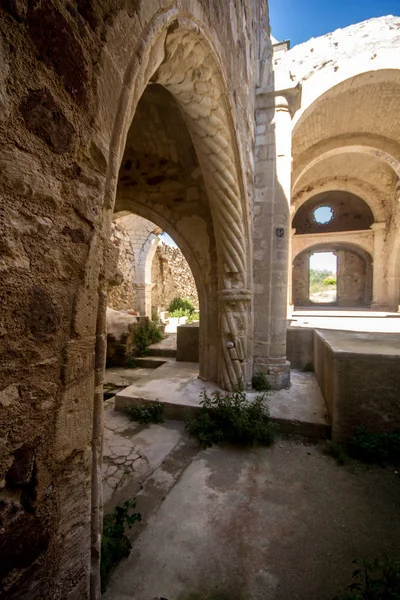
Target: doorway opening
322, 278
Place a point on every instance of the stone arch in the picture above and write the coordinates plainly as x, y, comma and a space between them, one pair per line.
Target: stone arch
350, 212
350, 149
372, 196
354, 72
176, 53
143, 235
207, 366
170, 41
300, 271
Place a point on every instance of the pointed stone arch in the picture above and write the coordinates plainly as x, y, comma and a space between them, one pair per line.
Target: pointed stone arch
176, 53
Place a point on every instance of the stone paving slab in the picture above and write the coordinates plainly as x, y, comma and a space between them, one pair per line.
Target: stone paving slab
299, 410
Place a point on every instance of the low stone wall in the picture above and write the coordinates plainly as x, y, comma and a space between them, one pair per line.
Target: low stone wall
359, 376
299, 346
171, 277
187, 342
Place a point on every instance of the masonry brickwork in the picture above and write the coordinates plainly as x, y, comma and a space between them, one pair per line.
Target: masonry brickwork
183, 113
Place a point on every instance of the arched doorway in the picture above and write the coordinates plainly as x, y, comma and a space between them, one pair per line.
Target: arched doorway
175, 55
353, 276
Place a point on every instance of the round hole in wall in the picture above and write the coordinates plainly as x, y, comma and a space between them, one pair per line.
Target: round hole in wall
323, 214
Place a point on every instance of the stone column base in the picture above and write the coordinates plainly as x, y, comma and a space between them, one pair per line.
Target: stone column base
278, 374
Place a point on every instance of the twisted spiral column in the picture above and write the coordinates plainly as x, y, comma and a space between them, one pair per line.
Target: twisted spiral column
190, 74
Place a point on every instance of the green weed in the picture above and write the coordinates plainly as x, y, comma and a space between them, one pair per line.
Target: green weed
381, 448
151, 412
377, 579
115, 545
260, 383
230, 417
308, 368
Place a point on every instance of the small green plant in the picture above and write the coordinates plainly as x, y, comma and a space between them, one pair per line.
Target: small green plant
115, 545
180, 304
179, 313
377, 579
146, 332
308, 368
194, 316
260, 383
231, 417
337, 451
131, 363
150, 412
382, 448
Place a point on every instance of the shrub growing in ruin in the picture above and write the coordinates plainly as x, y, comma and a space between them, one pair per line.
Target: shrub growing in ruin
180, 307
260, 383
150, 412
146, 332
231, 417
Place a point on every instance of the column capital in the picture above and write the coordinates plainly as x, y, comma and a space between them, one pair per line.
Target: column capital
285, 99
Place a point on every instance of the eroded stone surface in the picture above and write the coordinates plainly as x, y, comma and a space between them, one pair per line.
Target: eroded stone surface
132, 452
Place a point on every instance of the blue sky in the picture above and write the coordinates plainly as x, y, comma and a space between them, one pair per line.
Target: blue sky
300, 20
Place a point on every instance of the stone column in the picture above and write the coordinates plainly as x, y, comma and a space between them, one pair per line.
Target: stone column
379, 283
290, 270
272, 236
143, 298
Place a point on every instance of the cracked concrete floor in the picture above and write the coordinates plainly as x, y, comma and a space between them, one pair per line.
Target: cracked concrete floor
131, 452
280, 523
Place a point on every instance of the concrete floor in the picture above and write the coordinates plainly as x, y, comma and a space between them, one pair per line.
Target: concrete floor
299, 409
351, 320
280, 523
131, 453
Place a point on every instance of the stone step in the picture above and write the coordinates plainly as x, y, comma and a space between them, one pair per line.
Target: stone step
164, 352
299, 410
150, 361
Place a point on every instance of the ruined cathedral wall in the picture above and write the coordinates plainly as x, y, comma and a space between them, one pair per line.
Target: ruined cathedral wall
171, 277
121, 295
323, 62
62, 66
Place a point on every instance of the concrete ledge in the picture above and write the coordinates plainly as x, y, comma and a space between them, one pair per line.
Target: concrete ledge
298, 410
359, 375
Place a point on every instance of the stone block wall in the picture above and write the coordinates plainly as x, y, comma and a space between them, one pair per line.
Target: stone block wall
70, 74
171, 277
121, 295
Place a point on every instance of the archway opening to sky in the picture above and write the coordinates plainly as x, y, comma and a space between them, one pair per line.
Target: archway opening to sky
322, 278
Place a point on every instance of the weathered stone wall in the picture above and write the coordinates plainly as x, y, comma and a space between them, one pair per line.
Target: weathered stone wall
71, 74
121, 296
171, 277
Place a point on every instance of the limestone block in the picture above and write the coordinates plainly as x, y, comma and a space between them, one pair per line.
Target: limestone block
74, 419
120, 335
